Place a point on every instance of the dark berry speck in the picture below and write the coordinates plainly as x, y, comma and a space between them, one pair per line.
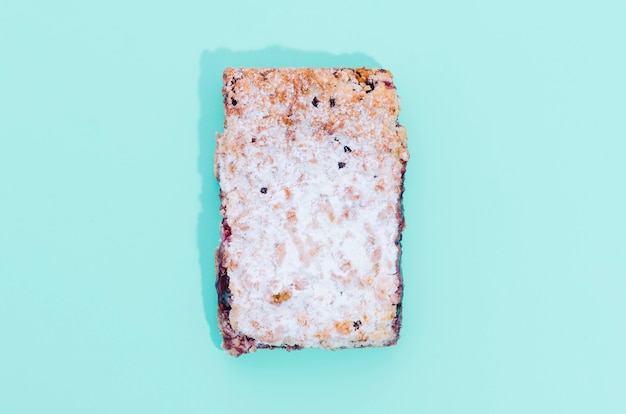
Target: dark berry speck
346, 149
341, 164
332, 102
264, 190
315, 101
233, 101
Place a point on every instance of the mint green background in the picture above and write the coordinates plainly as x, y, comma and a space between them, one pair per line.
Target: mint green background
515, 247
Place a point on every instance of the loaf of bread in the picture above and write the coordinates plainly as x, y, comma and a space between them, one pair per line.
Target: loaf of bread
311, 170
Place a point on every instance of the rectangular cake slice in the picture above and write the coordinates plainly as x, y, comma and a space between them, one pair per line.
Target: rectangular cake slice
311, 169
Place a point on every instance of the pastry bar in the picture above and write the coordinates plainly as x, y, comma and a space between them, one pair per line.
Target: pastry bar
311, 170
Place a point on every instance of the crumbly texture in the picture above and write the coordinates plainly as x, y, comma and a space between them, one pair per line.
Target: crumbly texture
311, 169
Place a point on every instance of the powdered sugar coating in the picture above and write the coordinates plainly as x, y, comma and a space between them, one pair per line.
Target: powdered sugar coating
311, 167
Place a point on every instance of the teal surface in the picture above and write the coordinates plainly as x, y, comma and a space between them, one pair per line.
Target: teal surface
515, 246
